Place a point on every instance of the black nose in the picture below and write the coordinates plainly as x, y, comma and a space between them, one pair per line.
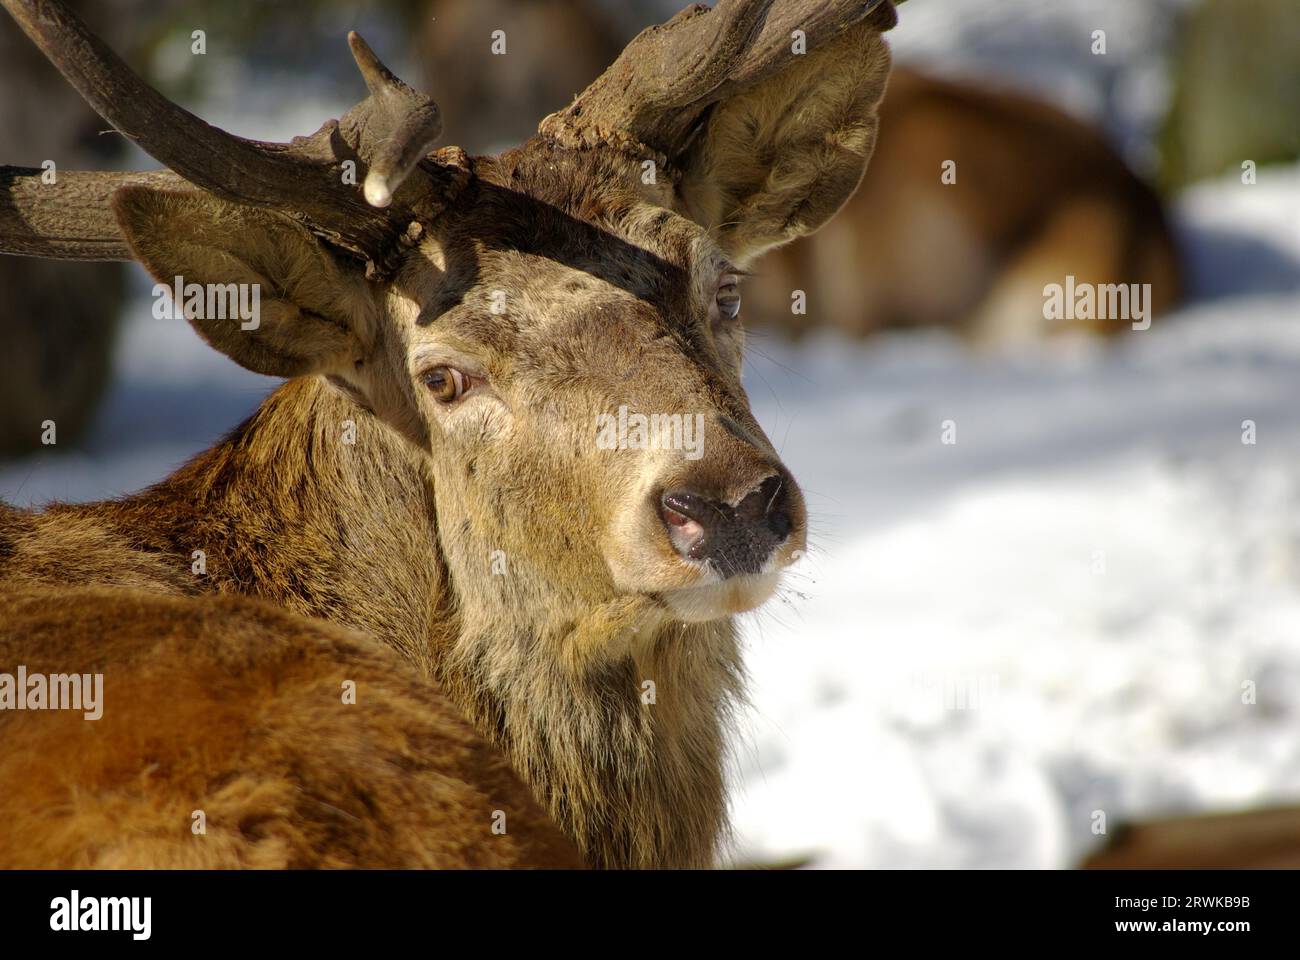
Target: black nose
735, 539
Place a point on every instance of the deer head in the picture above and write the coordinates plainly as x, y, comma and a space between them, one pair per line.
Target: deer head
515, 317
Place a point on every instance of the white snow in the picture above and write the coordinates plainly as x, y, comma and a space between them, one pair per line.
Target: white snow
1065, 611
992, 639
1058, 614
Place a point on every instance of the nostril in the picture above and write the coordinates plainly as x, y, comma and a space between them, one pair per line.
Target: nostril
776, 510
683, 514
769, 504
688, 505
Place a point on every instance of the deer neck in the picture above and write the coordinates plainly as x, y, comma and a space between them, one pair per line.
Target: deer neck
626, 749
613, 715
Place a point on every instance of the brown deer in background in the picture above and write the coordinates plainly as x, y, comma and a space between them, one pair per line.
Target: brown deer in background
1035, 196
425, 508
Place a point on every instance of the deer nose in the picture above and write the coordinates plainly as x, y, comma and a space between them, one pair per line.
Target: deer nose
735, 539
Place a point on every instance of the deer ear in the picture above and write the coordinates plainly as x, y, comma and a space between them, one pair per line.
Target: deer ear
309, 314
778, 159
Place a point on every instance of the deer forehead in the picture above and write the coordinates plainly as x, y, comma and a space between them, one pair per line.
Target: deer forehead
643, 271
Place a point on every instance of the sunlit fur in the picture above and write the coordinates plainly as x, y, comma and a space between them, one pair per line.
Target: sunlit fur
224, 742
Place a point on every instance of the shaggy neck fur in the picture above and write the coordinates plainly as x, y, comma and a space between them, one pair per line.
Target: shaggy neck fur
613, 716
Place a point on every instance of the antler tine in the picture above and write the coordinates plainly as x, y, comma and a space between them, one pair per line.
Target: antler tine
388, 133
411, 120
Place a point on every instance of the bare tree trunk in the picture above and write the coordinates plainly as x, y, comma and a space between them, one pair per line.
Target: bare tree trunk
58, 320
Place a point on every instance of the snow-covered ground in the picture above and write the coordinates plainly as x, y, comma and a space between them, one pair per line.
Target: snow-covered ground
1060, 613
1066, 611
1072, 608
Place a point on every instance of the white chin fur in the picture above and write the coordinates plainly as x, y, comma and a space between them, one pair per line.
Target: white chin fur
723, 598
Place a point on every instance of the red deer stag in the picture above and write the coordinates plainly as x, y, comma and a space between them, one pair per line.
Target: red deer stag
439, 473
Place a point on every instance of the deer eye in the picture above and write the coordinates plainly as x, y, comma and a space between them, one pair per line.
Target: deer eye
447, 384
728, 297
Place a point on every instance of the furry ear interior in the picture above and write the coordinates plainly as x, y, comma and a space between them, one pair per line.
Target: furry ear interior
268, 294
777, 160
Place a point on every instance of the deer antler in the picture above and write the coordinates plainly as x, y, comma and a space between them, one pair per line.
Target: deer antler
402, 124
656, 91
388, 134
69, 219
